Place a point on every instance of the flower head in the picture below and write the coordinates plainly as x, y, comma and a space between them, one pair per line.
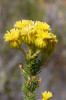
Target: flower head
12, 35
13, 38
42, 26
47, 95
31, 33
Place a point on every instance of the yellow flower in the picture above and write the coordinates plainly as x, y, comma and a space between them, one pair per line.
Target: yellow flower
42, 26
47, 95
31, 33
23, 23
40, 43
12, 35
18, 24
43, 35
13, 38
15, 44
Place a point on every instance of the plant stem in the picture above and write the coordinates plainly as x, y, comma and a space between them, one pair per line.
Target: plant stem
35, 54
31, 81
22, 51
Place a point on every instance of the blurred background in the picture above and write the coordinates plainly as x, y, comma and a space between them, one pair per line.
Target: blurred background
53, 73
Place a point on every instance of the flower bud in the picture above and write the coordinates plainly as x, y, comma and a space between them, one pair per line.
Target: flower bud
28, 80
20, 65
33, 77
39, 80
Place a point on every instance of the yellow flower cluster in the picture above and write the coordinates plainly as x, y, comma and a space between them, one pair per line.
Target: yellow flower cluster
13, 38
47, 95
31, 33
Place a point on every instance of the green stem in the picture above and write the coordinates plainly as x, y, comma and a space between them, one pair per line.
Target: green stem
22, 51
35, 54
31, 81
29, 52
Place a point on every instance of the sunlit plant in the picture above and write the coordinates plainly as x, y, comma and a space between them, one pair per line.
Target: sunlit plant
39, 40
